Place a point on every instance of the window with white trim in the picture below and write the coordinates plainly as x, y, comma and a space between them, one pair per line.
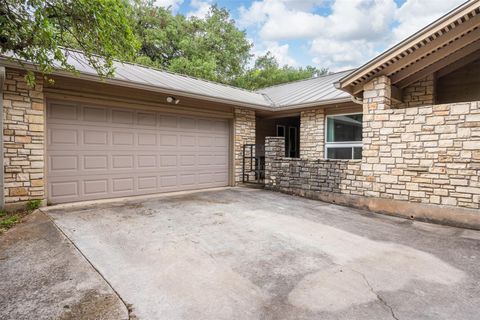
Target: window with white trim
343, 138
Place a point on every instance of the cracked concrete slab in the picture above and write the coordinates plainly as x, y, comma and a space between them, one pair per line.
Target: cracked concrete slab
254, 254
45, 277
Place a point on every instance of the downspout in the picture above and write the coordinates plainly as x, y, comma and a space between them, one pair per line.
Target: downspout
2, 189
356, 100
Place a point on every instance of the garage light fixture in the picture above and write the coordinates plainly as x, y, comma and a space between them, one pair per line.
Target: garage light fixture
173, 100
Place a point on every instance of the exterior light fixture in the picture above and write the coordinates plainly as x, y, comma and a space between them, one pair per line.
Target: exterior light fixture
173, 100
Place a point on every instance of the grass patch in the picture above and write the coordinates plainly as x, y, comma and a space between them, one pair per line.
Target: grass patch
9, 222
33, 205
9, 219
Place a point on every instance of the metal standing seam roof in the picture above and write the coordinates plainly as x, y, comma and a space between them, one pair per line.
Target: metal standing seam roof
310, 91
133, 73
320, 90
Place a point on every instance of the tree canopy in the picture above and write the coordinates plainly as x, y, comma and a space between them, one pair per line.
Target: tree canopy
267, 72
36, 30
212, 48
138, 31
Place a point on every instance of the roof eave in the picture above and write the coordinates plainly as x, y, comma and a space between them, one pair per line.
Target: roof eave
313, 104
131, 84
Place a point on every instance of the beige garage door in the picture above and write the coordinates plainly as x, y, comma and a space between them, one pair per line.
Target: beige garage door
97, 152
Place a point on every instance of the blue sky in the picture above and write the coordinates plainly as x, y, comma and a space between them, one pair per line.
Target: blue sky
336, 34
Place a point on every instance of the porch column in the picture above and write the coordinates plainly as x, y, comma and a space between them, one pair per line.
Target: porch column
24, 140
274, 150
244, 133
376, 110
312, 134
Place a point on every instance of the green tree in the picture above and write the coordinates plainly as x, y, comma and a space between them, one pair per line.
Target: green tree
36, 30
212, 48
267, 72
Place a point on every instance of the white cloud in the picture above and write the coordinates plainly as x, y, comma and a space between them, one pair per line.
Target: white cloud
279, 51
173, 4
352, 32
200, 8
416, 14
280, 19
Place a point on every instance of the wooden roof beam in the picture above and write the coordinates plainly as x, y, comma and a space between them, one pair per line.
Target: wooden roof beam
438, 42
458, 64
440, 64
436, 56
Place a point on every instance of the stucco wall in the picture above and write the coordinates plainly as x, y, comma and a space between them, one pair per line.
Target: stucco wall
24, 127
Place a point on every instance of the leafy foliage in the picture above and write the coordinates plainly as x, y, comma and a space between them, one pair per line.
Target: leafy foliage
8, 222
33, 205
212, 48
267, 72
36, 30
137, 31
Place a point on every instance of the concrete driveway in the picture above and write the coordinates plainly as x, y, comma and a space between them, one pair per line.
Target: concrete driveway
254, 254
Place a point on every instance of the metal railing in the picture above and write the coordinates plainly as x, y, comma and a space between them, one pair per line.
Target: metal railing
253, 166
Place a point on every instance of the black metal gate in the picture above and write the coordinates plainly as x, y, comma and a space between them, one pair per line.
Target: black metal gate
253, 166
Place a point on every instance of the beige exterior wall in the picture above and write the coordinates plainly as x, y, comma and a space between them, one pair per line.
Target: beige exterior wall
244, 133
312, 134
24, 137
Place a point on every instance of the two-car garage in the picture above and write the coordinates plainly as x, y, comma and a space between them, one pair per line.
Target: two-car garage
96, 152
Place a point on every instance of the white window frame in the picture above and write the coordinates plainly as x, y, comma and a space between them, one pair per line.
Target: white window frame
344, 144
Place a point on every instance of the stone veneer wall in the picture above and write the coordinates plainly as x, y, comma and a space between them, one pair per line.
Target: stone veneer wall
23, 134
428, 154
312, 133
417, 94
244, 133
303, 176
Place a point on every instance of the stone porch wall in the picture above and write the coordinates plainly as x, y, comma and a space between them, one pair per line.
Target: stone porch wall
23, 136
300, 176
244, 133
428, 155
312, 134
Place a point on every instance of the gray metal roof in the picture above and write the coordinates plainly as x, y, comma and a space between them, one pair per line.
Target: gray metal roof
310, 92
151, 77
319, 90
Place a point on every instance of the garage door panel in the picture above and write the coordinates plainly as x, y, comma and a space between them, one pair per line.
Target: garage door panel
62, 111
60, 163
148, 183
64, 189
97, 152
95, 162
122, 116
95, 187
95, 114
